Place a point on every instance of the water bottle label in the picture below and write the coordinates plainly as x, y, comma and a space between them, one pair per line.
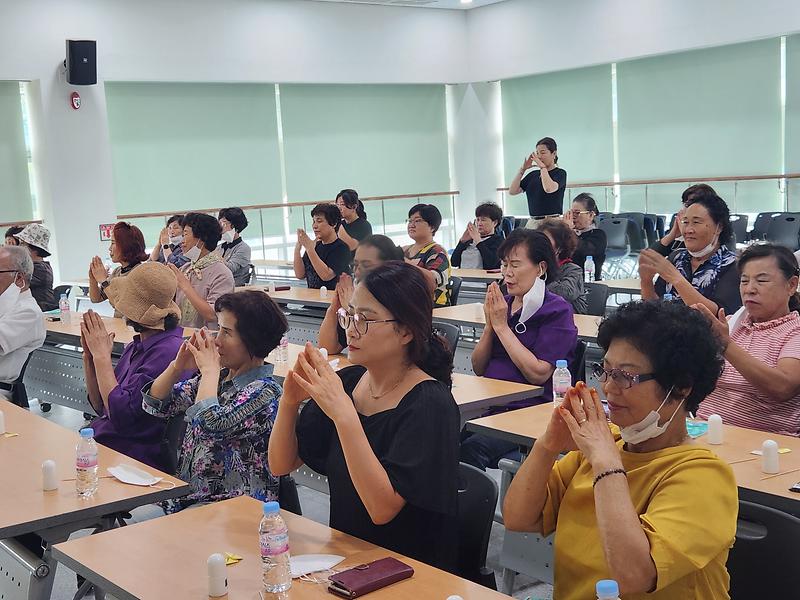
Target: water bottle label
275, 544
86, 462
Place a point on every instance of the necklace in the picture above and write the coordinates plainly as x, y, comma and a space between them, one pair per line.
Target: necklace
375, 396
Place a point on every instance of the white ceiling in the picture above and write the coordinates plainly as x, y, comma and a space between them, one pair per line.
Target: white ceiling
451, 4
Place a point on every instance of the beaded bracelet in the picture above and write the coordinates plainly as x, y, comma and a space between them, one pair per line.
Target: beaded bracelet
607, 473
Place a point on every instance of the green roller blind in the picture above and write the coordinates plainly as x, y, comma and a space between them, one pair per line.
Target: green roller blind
379, 139
574, 108
703, 113
181, 146
792, 143
15, 192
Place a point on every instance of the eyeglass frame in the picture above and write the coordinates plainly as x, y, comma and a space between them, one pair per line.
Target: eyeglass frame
342, 314
602, 374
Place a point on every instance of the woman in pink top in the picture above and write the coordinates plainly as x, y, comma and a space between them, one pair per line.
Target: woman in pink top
760, 386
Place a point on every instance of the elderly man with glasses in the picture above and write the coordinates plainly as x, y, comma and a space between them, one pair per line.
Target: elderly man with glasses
21, 324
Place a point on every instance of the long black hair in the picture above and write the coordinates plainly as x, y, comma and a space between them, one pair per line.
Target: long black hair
403, 291
351, 201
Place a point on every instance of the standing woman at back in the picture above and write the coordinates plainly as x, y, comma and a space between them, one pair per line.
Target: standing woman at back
545, 187
354, 226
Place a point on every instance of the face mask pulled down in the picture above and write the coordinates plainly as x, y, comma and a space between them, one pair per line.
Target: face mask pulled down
648, 428
531, 303
193, 254
228, 236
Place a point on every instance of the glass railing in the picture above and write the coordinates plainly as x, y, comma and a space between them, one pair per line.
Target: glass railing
272, 229
748, 195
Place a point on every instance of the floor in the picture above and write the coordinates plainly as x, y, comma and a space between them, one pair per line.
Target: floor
314, 504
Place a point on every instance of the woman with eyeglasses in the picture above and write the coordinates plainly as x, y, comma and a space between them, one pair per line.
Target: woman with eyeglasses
651, 510
425, 254
385, 431
526, 332
760, 386
592, 240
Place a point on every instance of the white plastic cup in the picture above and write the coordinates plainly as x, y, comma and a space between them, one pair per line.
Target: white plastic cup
49, 476
714, 429
323, 292
2, 423
769, 457
217, 578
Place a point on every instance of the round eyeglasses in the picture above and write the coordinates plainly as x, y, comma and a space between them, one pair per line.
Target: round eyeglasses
360, 322
622, 379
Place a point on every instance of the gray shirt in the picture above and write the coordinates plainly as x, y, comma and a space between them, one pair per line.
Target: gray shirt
237, 256
569, 285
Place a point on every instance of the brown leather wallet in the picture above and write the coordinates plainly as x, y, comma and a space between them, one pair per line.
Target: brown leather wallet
363, 579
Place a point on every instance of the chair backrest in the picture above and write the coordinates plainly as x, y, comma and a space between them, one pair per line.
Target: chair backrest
19, 395
61, 289
477, 499
171, 443
506, 226
763, 560
660, 226
650, 229
635, 236
636, 217
451, 333
784, 229
578, 366
616, 233
520, 222
739, 226
761, 225
596, 298
288, 497
455, 288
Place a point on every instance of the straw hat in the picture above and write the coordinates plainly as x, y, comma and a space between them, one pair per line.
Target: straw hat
37, 235
145, 295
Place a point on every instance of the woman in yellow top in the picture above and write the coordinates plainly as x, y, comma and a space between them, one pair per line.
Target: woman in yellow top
653, 511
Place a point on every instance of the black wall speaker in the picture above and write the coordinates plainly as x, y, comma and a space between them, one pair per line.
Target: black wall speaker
81, 62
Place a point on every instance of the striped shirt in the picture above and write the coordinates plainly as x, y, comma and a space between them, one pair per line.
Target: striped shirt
737, 400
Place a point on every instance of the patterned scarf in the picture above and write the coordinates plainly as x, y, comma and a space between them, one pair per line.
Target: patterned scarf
704, 280
188, 310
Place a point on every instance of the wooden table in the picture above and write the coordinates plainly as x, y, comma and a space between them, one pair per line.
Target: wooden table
632, 285
474, 395
24, 507
471, 315
476, 275
525, 425
295, 295
275, 263
166, 557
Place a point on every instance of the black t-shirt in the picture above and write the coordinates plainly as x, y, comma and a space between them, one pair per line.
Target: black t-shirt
540, 203
336, 255
417, 444
358, 229
42, 286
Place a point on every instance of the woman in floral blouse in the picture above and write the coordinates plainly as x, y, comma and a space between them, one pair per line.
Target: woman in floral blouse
230, 405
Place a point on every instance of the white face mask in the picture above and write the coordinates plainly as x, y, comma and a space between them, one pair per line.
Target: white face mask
305, 564
9, 297
193, 253
531, 303
227, 236
176, 240
707, 250
133, 476
648, 428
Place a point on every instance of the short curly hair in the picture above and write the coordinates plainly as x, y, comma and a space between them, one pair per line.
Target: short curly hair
330, 212
677, 340
205, 228
259, 321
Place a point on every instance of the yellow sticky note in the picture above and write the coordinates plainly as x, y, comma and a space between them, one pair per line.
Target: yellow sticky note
780, 451
8, 434
232, 559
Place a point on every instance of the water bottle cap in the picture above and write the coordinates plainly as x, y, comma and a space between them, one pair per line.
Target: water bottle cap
63, 296
270, 508
87, 432
607, 588
561, 364
668, 296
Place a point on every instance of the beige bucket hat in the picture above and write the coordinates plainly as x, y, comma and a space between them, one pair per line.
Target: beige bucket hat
145, 295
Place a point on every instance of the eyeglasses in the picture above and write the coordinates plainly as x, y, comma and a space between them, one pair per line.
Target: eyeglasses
621, 379
576, 213
359, 321
9, 271
415, 222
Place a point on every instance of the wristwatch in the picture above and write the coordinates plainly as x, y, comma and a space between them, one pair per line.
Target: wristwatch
166, 247
104, 284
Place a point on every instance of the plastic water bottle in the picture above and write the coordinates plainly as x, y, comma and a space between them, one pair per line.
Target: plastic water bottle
588, 269
63, 307
607, 589
562, 380
283, 350
668, 297
86, 464
274, 538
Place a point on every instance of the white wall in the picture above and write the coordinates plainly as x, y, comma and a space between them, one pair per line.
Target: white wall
298, 41
522, 37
